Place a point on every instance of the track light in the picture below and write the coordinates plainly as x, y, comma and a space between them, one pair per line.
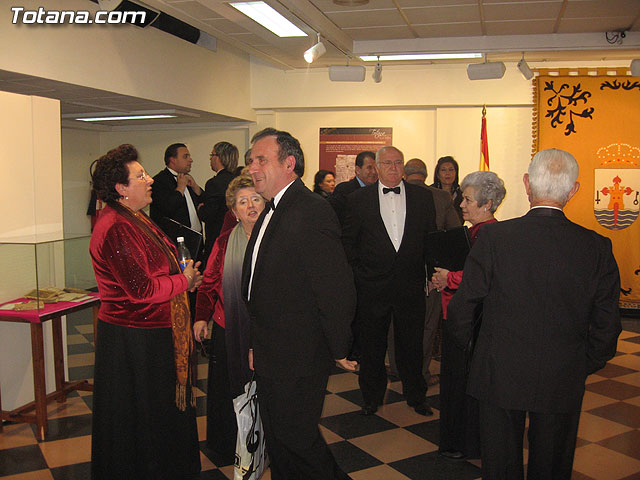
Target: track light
635, 67
524, 68
315, 52
377, 72
485, 71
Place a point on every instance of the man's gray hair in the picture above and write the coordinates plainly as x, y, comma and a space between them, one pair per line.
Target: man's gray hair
415, 166
487, 186
552, 175
383, 149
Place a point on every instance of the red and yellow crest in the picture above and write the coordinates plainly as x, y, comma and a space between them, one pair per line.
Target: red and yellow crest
617, 190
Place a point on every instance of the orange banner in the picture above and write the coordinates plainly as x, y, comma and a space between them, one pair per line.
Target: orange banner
597, 120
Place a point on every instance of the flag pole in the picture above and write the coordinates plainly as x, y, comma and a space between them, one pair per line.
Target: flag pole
484, 142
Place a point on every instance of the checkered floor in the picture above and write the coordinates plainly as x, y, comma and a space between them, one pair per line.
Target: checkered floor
394, 444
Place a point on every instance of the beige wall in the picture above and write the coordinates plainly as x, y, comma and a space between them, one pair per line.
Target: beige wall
145, 63
80, 148
433, 110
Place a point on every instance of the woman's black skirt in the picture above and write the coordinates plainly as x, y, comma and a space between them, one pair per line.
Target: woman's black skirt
138, 432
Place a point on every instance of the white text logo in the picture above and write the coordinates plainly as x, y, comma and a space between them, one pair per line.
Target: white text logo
42, 16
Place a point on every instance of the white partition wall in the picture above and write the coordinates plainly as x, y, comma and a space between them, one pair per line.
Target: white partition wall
31, 210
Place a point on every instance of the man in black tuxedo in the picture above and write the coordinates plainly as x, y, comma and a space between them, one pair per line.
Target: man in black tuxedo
550, 291
175, 193
366, 174
384, 238
301, 299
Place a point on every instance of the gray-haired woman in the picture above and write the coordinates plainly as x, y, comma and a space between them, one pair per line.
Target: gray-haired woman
482, 194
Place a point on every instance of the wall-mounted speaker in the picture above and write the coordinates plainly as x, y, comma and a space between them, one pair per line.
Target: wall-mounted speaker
347, 73
485, 71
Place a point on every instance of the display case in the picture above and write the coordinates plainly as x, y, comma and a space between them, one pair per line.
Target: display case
46, 280
33, 269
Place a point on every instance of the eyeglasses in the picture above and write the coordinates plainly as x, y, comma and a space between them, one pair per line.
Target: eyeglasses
143, 176
396, 163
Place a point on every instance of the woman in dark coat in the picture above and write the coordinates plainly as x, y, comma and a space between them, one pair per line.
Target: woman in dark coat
447, 175
482, 193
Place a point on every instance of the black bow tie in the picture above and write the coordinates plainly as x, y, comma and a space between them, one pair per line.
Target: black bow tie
270, 205
395, 190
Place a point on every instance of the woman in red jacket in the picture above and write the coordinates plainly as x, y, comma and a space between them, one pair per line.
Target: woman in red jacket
219, 299
143, 422
482, 194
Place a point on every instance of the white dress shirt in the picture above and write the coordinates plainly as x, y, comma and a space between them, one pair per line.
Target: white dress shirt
393, 210
193, 214
263, 228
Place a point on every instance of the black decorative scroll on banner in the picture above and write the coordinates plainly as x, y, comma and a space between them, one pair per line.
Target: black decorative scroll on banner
563, 105
615, 85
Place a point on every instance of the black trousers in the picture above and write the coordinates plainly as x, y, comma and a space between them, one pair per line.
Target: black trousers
408, 330
222, 427
552, 442
290, 409
459, 429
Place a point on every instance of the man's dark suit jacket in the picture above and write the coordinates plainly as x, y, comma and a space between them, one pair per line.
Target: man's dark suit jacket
550, 291
214, 205
381, 273
302, 295
168, 202
338, 199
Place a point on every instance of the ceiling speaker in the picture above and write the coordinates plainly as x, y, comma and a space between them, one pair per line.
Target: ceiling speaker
635, 67
347, 73
485, 71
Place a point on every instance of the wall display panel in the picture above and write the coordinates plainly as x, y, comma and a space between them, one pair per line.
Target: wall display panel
339, 147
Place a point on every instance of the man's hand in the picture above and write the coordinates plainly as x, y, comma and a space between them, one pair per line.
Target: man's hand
192, 183
348, 365
183, 181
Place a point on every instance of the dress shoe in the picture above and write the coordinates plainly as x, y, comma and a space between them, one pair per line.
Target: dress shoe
369, 410
423, 409
452, 454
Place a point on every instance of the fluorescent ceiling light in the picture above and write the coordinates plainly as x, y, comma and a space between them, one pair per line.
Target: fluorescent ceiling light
269, 18
419, 56
125, 117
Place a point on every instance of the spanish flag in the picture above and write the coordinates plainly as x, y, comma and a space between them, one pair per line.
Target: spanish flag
484, 143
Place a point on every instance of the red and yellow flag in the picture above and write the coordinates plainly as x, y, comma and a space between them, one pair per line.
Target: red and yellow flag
484, 143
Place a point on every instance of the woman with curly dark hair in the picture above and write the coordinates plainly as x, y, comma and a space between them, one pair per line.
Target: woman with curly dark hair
447, 176
324, 183
143, 404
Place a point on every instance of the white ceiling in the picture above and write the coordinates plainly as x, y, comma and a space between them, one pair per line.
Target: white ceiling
545, 29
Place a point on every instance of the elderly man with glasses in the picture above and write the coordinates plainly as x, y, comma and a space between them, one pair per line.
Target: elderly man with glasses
384, 236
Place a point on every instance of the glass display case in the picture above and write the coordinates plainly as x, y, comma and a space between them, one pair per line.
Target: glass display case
44, 271
42, 282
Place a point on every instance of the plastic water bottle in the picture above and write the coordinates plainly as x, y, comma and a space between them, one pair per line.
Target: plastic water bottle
184, 257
